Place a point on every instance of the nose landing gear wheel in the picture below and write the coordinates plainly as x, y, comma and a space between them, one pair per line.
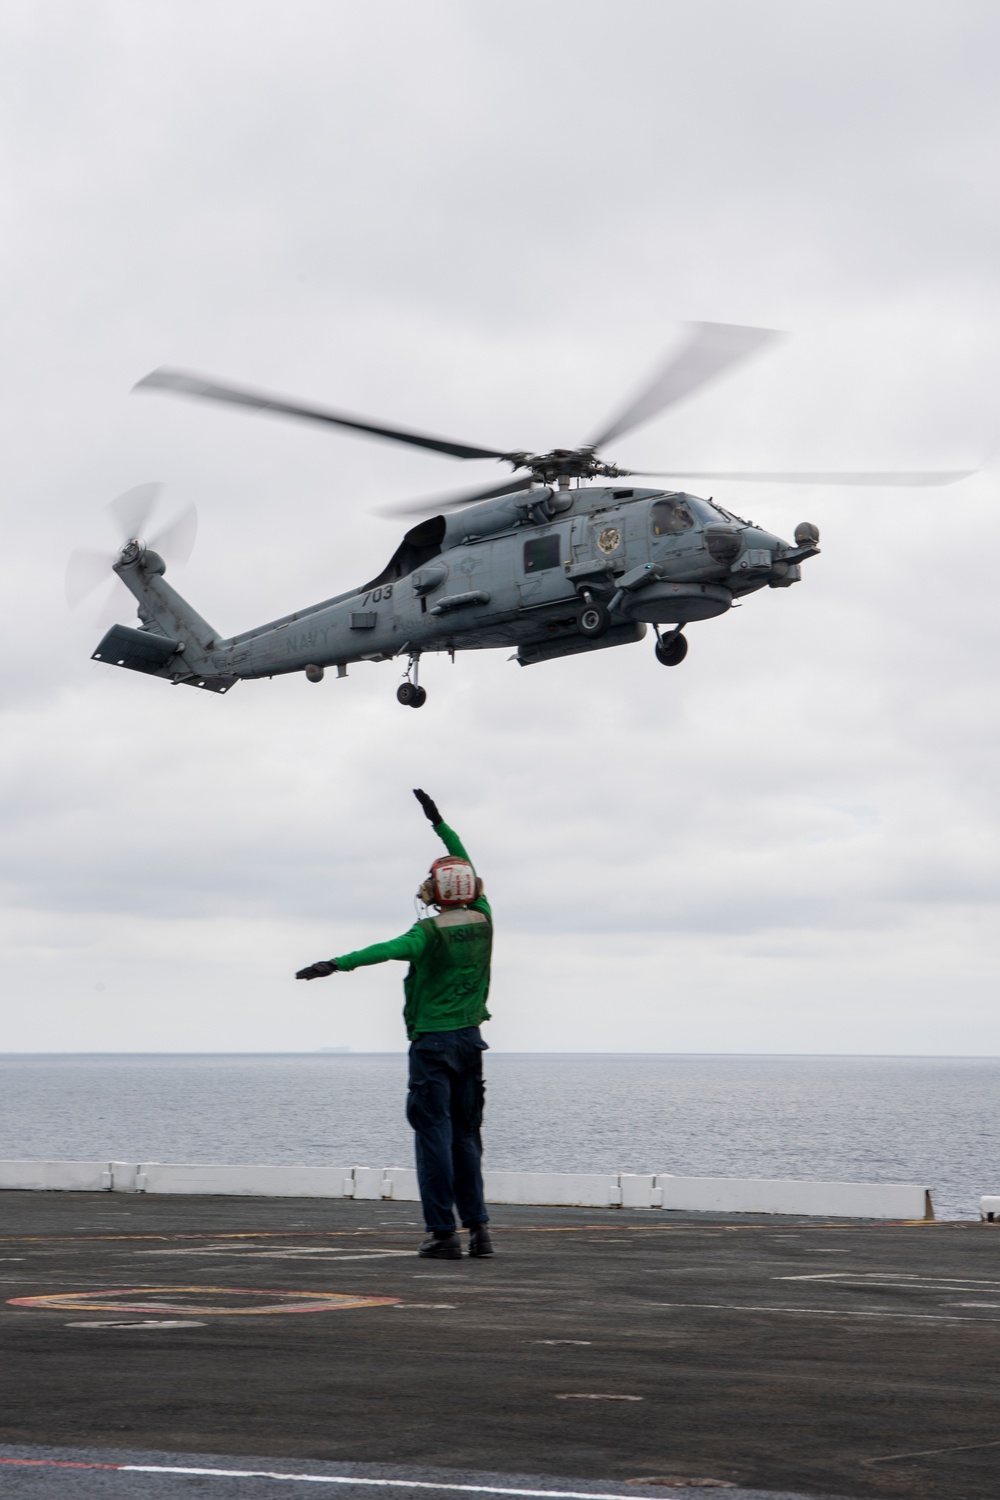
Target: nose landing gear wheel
593, 620
671, 649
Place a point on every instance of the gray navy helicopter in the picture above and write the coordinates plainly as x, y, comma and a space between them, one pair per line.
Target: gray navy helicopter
548, 563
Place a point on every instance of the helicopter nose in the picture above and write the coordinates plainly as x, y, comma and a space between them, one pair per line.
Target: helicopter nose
758, 551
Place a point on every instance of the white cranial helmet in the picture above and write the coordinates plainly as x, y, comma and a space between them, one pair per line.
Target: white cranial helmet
453, 882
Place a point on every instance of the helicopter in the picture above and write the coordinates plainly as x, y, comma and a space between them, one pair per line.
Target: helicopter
548, 563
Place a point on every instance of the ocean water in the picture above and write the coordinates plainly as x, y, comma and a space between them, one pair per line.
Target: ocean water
925, 1120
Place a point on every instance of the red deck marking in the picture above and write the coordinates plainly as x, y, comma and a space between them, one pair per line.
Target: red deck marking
291, 1234
54, 1463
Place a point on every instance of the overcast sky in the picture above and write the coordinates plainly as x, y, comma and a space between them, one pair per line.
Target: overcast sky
489, 220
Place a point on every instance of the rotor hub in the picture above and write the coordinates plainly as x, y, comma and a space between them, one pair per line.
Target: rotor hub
564, 463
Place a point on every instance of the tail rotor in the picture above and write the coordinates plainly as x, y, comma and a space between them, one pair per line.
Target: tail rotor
129, 514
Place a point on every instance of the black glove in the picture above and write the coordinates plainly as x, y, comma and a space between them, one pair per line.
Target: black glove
430, 807
318, 971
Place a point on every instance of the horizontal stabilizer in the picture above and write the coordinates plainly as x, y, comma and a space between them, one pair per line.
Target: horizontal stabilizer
147, 651
138, 650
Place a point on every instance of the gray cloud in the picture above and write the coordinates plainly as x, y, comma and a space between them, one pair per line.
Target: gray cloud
488, 221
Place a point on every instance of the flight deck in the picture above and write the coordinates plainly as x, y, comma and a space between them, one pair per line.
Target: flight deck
279, 1342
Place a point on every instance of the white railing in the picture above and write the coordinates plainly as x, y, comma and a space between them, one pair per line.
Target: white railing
653, 1190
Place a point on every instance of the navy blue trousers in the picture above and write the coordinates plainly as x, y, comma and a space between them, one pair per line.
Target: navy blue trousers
445, 1108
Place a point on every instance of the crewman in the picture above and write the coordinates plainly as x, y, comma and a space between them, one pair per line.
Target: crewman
446, 990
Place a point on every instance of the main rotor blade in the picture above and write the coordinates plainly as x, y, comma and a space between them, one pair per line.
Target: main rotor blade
711, 349
454, 502
184, 384
176, 541
875, 477
85, 572
131, 511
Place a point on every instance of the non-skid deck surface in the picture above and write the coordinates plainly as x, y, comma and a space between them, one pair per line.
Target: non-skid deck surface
597, 1348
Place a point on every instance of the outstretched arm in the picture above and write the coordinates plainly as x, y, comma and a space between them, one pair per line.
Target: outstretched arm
407, 948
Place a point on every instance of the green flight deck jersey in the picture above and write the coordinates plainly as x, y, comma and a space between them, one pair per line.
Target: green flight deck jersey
449, 957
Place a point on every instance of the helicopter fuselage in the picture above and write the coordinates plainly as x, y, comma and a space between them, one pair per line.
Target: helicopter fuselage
513, 572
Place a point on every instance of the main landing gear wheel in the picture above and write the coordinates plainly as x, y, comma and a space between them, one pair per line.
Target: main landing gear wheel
671, 649
411, 695
593, 620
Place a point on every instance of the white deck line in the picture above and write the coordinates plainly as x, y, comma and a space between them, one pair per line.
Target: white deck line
636, 1190
395, 1484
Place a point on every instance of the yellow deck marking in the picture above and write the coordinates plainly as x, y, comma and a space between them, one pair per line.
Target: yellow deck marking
293, 1302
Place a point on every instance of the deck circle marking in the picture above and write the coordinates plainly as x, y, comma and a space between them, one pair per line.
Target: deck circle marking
291, 1302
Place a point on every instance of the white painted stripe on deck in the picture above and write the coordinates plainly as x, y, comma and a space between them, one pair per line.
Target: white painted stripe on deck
393, 1484
826, 1312
898, 1280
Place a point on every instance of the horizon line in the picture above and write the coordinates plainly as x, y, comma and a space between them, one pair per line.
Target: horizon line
329, 1052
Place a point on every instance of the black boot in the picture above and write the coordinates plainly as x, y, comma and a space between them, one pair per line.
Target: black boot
441, 1246
479, 1240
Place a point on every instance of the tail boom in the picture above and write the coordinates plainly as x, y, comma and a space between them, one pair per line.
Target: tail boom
174, 641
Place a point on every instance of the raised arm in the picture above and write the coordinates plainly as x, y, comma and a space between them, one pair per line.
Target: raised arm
447, 835
450, 839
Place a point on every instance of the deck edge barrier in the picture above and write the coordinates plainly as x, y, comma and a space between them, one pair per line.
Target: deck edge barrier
635, 1190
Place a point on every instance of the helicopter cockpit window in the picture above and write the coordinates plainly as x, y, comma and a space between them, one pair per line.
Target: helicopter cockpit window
712, 512
671, 517
542, 552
